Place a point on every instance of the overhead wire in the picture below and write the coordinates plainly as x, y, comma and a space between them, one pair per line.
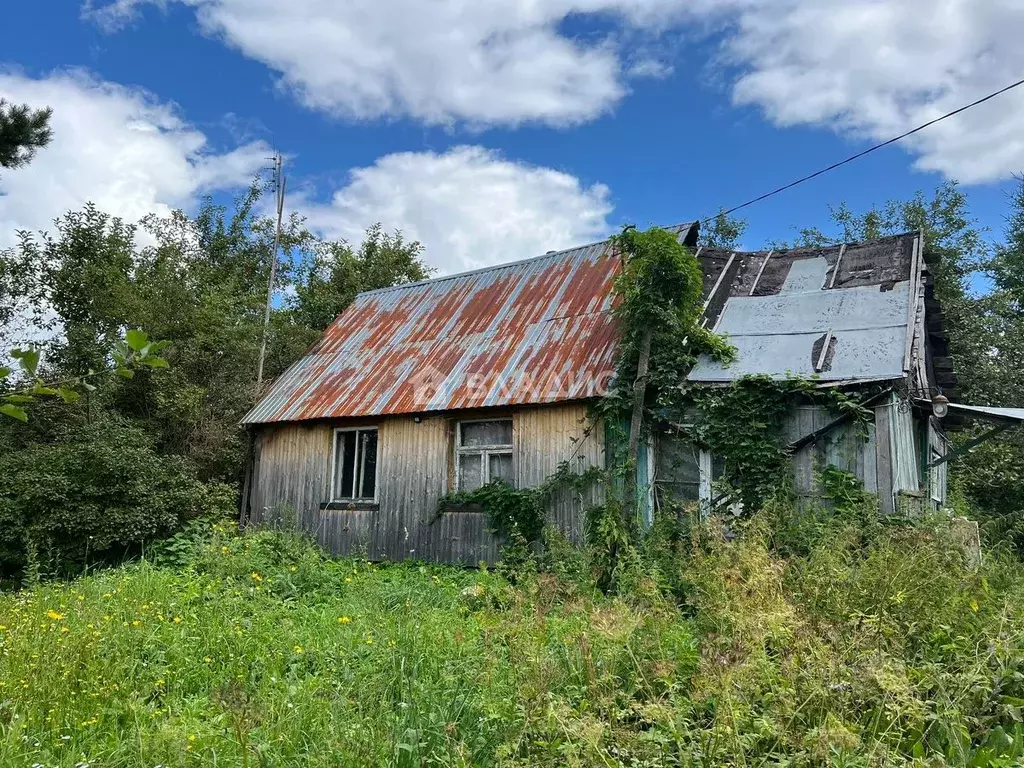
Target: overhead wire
861, 154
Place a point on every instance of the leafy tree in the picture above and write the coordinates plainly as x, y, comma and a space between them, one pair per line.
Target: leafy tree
723, 231
23, 130
331, 280
135, 351
102, 491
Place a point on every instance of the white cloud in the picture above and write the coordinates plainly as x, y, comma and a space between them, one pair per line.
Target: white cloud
875, 68
118, 147
864, 68
493, 62
470, 207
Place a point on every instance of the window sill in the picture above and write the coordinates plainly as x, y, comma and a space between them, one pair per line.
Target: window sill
350, 506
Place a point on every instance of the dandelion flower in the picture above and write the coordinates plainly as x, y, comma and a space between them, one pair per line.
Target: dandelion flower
256, 576
344, 620
54, 615
297, 649
177, 619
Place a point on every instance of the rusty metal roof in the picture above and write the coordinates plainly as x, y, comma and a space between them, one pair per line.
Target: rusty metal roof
541, 331
529, 332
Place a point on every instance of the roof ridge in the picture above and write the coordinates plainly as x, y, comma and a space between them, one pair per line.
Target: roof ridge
481, 270
503, 265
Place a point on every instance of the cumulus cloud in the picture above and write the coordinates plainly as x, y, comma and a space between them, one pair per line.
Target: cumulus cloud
864, 68
501, 62
118, 147
470, 206
874, 68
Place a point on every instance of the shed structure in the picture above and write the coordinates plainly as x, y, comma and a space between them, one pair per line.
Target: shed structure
447, 384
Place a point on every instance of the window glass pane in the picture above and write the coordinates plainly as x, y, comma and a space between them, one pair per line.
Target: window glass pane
500, 467
344, 456
470, 471
677, 460
717, 467
368, 459
476, 433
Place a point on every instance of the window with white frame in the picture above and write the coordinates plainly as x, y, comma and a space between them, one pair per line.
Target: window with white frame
355, 465
483, 453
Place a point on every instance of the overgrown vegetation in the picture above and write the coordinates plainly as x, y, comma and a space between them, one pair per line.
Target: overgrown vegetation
742, 426
807, 641
200, 288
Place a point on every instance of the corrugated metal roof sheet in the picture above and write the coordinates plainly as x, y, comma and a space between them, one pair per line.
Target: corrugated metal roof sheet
535, 331
541, 331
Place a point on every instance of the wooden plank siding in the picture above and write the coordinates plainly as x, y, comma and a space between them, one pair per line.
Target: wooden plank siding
843, 447
291, 479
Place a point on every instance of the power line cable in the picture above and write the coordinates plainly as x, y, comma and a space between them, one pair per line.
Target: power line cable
865, 152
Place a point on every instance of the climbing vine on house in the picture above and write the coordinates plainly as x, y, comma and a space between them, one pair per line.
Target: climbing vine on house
742, 424
659, 308
517, 512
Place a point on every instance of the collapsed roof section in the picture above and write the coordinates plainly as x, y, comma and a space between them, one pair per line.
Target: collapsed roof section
842, 314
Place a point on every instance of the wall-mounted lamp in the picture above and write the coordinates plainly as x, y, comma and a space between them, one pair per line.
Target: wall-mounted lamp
417, 419
940, 406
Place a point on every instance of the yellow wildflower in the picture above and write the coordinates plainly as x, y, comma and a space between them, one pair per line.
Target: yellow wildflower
344, 620
54, 615
297, 649
256, 576
207, 659
348, 579
64, 629
177, 619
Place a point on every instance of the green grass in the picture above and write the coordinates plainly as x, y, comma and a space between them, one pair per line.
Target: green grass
800, 643
266, 652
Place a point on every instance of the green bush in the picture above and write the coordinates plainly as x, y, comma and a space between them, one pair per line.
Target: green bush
101, 494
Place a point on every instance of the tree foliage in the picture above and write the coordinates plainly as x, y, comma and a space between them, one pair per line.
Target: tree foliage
102, 492
723, 231
23, 131
198, 284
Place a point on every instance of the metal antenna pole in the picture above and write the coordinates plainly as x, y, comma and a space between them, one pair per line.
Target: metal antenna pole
279, 182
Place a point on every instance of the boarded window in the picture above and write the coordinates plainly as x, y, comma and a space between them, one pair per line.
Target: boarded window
355, 464
483, 453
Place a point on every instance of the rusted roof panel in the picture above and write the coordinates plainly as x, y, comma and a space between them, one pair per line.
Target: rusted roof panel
541, 331
531, 332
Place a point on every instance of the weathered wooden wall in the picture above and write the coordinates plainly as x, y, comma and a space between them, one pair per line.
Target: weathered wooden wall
291, 479
843, 447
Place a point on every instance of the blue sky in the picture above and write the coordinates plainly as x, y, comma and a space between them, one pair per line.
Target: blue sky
502, 129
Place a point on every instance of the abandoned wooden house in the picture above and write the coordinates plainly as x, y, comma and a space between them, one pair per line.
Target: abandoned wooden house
450, 383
